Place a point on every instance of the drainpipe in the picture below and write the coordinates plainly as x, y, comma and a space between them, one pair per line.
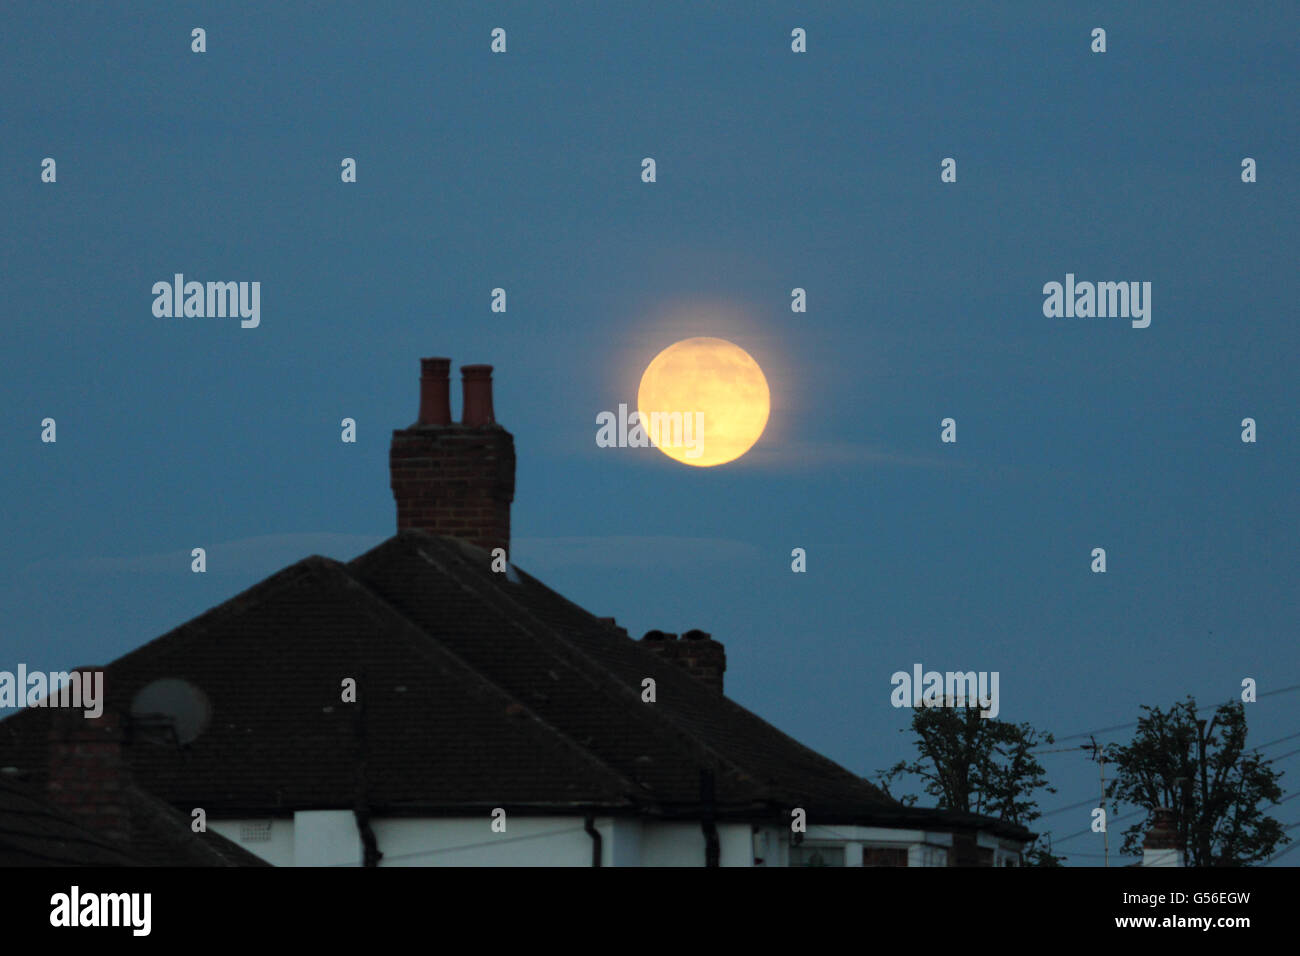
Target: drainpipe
712, 849
589, 824
370, 852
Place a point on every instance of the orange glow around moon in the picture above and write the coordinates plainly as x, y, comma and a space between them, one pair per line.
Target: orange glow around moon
717, 380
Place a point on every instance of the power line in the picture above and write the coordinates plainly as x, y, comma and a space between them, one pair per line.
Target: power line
1073, 806
1090, 802
1278, 741
1282, 853
1289, 753
1087, 830
1092, 747
1125, 816
1132, 813
1103, 730
1232, 700
475, 846
1093, 803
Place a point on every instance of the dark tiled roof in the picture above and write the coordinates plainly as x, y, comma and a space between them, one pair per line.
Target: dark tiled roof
35, 833
584, 676
476, 690
427, 731
161, 836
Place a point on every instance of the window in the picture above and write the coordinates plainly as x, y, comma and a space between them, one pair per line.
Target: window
884, 856
933, 856
806, 855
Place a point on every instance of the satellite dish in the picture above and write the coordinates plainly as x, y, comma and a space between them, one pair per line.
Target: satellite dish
174, 703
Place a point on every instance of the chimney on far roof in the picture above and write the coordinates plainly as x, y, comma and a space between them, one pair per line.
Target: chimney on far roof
88, 775
1161, 846
697, 653
455, 479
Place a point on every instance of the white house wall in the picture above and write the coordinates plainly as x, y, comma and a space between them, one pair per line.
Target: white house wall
462, 841
276, 848
330, 838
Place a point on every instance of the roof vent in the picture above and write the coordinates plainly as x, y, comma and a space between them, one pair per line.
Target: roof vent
255, 831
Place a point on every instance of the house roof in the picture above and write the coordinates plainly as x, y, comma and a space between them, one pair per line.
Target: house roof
475, 690
33, 832
585, 676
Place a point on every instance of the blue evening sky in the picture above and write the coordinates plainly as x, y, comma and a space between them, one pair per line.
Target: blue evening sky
775, 170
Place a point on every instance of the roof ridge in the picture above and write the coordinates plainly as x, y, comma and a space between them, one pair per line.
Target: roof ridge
375, 602
589, 663
735, 707
246, 600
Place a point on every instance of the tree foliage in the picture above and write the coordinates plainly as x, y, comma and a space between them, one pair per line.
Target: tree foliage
977, 765
1218, 790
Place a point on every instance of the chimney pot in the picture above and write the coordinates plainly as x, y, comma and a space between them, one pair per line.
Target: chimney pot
477, 383
696, 653
435, 391
450, 478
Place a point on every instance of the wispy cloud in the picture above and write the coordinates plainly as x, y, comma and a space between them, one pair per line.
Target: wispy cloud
811, 454
268, 553
258, 555
630, 551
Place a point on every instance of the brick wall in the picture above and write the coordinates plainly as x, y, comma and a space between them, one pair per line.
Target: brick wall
88, 774
455, 479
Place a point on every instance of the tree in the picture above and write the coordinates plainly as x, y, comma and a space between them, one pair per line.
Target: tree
1217, 789
977, 765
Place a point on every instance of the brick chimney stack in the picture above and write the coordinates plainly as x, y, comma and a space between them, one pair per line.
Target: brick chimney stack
88, 773
698, 653
455, 479
1161, 846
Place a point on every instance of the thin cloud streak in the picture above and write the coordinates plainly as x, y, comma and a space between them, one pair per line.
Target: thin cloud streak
268, 552
629, 551
806, 454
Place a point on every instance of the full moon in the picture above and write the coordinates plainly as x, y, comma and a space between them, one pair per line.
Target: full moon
710, 383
